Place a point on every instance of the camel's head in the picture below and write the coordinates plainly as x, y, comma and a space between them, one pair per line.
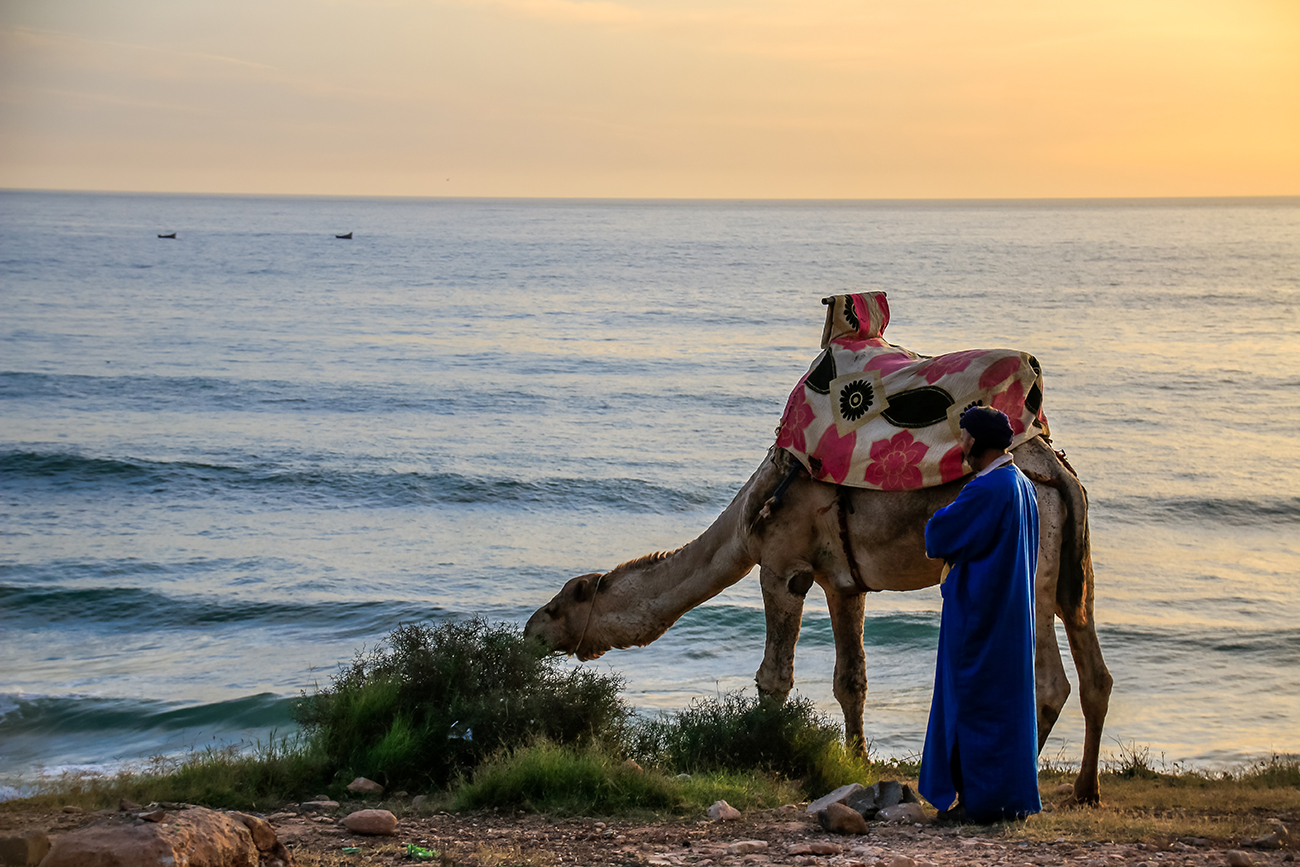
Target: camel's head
562, 624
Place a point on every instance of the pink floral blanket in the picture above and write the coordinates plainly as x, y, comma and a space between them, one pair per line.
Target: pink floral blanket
869, 414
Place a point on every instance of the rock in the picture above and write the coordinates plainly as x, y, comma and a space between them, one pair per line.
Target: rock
153, 816
362, 786
682, 777
375, 822
318, 805
1064, 790
24, 850
631, 765
419, 801
890, 793
1193, 841
1238, 858
900, 813
196, 837
71, 809
746, 847
721, 811
839, 796
864, 801
128, 806
263, 833
901, 861
814, 847
841, 819
1268, 841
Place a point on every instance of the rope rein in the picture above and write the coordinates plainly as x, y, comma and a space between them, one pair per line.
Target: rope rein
590, 608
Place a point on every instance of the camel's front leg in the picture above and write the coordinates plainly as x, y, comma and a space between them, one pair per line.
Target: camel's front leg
783, 597
848, 611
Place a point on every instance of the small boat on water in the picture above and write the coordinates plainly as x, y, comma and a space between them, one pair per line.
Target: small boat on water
347, 237
168, 235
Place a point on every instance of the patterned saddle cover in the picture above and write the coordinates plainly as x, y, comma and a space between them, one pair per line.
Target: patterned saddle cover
869, 414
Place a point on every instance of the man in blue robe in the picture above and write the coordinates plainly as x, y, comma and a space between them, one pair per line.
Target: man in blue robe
981, 747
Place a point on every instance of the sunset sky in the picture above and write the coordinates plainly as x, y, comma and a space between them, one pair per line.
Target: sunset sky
653, 98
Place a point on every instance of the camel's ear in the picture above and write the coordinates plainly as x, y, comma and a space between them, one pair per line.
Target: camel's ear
581, 589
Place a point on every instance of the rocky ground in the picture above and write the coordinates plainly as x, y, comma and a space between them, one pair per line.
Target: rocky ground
775, 837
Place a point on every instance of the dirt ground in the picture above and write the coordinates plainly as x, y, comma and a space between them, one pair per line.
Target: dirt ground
786, 836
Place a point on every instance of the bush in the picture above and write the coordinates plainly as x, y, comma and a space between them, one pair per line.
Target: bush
432, 702
738, 733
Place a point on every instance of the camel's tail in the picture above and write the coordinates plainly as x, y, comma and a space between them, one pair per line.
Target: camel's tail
1074, 585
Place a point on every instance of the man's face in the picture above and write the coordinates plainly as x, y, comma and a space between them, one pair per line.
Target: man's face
967, 442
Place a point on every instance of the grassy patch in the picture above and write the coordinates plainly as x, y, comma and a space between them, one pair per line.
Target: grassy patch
554, 779
546, 778
254, 778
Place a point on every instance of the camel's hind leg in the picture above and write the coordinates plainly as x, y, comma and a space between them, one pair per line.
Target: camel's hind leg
1094, 695
848, 610
1051, 686
783, 597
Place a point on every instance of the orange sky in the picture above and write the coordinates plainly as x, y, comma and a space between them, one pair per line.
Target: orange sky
642, 98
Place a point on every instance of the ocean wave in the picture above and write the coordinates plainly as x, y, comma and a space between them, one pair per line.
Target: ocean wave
374, 488
133, 610
1237, 511
48, 716
883, 630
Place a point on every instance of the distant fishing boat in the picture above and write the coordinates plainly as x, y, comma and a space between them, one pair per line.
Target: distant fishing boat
347, 237
168, 235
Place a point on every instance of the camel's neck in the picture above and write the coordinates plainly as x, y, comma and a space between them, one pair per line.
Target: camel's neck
642, 598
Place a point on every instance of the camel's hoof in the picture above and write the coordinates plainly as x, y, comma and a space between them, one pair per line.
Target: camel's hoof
1076, 800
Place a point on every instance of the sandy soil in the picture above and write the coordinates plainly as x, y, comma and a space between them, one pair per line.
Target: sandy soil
790, 838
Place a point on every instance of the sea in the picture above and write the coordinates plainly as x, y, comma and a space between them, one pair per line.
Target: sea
233, 459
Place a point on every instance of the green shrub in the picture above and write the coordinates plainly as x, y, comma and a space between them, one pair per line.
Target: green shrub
737, 733
432, 702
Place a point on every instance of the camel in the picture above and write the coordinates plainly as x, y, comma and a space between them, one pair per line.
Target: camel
849, 541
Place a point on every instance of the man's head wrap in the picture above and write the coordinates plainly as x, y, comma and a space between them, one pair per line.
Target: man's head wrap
990, 428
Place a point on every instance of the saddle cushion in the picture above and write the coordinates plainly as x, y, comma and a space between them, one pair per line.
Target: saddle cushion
869, 414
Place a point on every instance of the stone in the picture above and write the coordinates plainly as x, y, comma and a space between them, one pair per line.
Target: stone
903, 813
24, 850
380, 823
1268, 841
1064, 790
196, 837
842, 819
126, 805
153, 816
263, 833
746, 847
362, 786
901, 861
839, 796
890, 793
318, 805
814, 847
419, 801
1238, 858
721, 811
